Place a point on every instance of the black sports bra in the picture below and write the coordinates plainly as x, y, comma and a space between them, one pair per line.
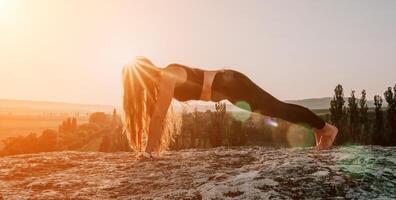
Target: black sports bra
191, 89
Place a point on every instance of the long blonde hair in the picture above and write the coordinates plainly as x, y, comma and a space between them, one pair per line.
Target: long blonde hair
140, 96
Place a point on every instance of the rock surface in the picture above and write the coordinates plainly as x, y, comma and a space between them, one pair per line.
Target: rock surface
356, 172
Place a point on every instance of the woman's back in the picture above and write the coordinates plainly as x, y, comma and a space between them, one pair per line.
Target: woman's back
191, 89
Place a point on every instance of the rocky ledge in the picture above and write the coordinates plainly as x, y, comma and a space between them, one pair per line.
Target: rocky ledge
354, 172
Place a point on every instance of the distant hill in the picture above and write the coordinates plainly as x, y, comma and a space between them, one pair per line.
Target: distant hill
324, 103
26, 107
311, 103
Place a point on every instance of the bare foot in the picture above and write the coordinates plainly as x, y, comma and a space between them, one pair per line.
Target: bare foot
328, 134
317, 138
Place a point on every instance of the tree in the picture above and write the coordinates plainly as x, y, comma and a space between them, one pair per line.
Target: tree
99, 118
106, 143
218, 123
337, 112
74, 124
390, 97
20, 145
363, 118
196, 127
379, 121
336, 105
237, 134
68, 125
114, 119
47, 140
353, 115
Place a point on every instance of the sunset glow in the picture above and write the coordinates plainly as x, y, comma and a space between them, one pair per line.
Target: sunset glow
197, 99
81, 46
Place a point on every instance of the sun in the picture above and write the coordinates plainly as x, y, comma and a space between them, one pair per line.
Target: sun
8, 8
4, 4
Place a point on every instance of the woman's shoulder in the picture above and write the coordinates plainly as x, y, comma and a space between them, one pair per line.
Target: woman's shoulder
178, 68
175, 70
175, 65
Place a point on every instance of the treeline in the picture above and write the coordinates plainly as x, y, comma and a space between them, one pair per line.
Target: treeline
207, 129
221, 128
357, 124
103, 132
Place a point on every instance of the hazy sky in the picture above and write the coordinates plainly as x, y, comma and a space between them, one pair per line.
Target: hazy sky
73, 51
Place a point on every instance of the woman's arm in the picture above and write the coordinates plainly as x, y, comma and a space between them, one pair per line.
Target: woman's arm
166, 85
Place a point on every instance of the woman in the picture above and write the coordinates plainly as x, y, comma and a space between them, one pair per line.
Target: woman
148, 92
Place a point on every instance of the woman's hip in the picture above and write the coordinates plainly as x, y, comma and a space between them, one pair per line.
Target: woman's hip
229, 84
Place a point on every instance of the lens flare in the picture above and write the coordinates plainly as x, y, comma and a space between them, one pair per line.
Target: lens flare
271, 122
299, 136
245, 113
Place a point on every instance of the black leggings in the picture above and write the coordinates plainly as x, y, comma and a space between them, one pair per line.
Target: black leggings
236, 87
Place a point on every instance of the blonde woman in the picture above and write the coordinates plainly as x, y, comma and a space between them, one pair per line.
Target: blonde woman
149, 90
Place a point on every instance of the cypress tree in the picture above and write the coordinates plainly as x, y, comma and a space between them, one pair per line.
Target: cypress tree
218, 124
353, 115
363, 118
74, 124
390, 97
336, 105
338, 112
379, 121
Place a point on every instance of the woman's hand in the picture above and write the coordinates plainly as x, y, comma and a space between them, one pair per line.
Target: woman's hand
145, 156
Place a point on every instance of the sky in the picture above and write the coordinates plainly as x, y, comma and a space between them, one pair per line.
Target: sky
74, 50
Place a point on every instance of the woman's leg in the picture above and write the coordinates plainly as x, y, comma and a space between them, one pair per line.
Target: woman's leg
236, 87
